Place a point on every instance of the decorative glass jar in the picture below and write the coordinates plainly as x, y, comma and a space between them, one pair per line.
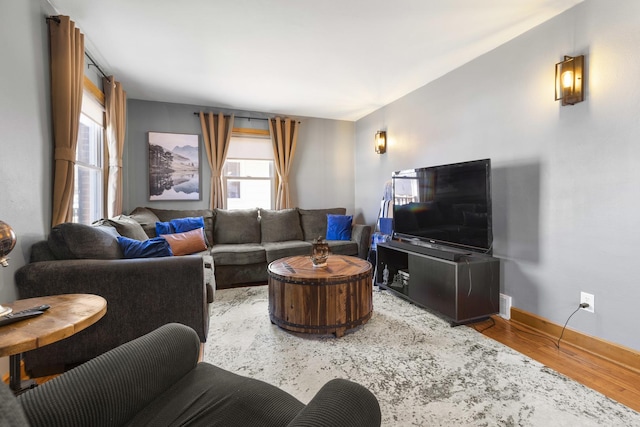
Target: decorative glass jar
319, 252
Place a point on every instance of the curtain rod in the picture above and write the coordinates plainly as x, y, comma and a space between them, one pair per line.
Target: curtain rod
56, 19
242, 117
92, 62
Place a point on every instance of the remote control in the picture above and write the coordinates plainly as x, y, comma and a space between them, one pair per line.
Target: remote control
20, 315
43, 307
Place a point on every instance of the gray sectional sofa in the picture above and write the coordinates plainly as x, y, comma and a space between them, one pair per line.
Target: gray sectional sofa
243, 242
145, 293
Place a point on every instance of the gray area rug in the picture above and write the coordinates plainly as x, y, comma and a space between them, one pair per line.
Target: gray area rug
423, 372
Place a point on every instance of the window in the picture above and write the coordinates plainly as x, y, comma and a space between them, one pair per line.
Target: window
88, 199
248, 174
233, 189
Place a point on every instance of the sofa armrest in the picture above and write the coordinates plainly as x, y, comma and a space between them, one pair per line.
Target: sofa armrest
338, 403
111, 389
141, 294
361, 234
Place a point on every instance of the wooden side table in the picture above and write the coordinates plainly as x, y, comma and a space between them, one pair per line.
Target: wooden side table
68, 315
320, 300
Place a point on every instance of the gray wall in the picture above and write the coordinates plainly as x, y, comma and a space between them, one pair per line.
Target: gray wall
25, 132
565, 179
322, 175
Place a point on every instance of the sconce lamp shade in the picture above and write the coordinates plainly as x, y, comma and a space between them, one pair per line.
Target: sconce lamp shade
381, 142
7, 242
569, 80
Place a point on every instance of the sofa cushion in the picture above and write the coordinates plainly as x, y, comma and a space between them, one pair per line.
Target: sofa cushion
155, 247
339, 227
238, 254
128, 227
208, 216
343, 247
236, 226
147, 219
211, 396
277, 250
40, 251
79, 241
280, 226
314, 221
186, 243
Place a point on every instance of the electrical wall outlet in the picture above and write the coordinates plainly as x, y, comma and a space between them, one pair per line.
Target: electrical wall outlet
587, 299
505, 306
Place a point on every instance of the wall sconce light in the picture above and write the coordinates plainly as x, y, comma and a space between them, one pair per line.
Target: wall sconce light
381, 142
569, 75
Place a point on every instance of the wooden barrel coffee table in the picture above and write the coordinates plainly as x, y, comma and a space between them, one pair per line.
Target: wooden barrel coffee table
320, 300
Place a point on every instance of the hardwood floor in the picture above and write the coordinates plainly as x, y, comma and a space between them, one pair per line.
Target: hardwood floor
611, 379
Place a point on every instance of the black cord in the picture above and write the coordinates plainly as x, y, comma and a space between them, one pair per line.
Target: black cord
520, 330
565, 325
535, 334
493, 323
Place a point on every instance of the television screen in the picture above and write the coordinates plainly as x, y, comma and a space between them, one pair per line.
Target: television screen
447, 204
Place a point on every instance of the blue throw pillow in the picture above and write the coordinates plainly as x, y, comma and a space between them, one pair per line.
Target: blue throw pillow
339, 227
182, 225
163, 228
151, 248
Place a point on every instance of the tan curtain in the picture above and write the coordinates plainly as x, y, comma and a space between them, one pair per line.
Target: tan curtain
216, 132
115, 105
284, 136
66, 47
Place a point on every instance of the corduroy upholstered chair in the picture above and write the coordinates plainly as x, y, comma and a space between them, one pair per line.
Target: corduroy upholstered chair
156, 380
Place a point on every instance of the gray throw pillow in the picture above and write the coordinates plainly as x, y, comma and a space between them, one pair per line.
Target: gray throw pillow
79, 241
147, 219
314, 221
280, 226
236, 226
128, 227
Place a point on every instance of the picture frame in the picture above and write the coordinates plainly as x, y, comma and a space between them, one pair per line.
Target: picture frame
173, 166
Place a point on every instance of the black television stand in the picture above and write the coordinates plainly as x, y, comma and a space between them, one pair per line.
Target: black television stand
463, 287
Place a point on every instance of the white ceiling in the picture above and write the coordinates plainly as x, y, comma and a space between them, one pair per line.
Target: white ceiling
337, 59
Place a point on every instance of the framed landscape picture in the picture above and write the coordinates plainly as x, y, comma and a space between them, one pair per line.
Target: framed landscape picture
174, 166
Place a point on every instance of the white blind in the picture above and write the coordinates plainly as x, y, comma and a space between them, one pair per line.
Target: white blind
242, 147
92, 108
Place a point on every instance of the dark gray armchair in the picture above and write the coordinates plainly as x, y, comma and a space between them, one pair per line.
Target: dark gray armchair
157, 380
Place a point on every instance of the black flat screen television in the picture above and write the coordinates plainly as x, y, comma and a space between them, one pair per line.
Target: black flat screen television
446, 205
